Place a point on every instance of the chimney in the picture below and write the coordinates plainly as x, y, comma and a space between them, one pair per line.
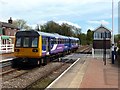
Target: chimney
10, 20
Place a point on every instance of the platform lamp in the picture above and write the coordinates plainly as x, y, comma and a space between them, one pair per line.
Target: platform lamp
112, 22
112, 32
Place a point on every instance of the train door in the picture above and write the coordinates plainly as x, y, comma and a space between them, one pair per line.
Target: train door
47, 51
48, 46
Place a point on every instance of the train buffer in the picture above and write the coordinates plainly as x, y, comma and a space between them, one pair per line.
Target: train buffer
88, 73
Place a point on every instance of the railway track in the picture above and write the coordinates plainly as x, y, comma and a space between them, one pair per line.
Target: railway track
85, 50
39, 72
7, 72
6, 62
14, 73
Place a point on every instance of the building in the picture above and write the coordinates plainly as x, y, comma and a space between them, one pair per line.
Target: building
7, 36
7, 31
101, 41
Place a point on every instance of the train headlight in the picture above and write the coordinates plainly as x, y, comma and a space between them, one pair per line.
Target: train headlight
35, 50
17, 50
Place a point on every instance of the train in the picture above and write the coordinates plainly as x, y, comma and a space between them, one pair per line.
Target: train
34, 47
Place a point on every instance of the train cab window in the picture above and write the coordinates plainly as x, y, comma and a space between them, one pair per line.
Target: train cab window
18, 42
26, 42
34, 42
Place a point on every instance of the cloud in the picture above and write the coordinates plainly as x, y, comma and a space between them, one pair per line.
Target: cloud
77, 11
54, 8
90, 27
99, 22
70, 23
3, 2
60, 23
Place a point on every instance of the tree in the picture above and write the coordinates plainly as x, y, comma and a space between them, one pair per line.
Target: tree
89, 37
22, 24
117, 40
82, 38
66, 30
50, 27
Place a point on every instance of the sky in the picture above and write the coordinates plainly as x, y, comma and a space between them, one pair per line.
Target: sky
84, 14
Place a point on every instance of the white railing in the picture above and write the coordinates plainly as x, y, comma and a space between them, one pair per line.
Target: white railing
6, 48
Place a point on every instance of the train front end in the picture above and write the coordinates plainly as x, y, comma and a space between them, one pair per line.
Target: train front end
28, 44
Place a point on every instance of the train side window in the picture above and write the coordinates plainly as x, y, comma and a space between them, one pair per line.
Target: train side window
44, 41
18, 42
52, 41
55, 42
26, 42
34, 42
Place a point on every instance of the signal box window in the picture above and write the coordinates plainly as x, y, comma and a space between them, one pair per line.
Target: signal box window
34, 42
18, 42
26, 42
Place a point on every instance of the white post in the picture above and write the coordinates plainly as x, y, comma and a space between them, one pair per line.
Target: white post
12, 47
0, 45
6, 45
93, 52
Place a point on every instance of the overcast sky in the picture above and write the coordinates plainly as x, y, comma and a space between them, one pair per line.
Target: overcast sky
80, 13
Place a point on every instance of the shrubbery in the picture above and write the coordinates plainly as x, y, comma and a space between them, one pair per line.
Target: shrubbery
119, 50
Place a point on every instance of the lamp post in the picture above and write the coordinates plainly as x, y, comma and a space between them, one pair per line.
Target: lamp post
112, 22
112, 48
104, 48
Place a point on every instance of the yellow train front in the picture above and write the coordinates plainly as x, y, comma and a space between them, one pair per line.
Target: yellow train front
28, 48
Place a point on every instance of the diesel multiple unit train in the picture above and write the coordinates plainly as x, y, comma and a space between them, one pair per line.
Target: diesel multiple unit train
34, 47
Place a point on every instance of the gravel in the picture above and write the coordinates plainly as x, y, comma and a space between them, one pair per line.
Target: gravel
25, 80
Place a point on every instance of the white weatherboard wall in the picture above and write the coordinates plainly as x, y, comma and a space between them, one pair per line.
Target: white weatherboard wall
100, 52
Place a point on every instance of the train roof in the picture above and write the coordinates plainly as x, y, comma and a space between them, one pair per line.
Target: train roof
73, 38
47, 34
61, 36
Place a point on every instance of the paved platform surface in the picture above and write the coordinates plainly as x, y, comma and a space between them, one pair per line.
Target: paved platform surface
6, 56
99, 75
89, 73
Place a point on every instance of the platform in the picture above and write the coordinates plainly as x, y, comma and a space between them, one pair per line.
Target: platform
91, 73
6, 56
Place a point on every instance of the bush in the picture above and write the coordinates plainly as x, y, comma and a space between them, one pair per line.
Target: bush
119, 49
